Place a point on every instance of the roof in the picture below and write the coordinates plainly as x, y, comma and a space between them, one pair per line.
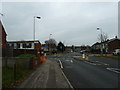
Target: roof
108, 41
113, 39
97, 43
23, 41
3, 28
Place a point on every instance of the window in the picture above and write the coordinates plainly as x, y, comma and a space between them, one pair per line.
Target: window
18, 45
28, 45
15, 45
24, 45
12, 44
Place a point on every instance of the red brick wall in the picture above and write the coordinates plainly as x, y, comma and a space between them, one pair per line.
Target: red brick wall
38, 46
2, 37
113, 45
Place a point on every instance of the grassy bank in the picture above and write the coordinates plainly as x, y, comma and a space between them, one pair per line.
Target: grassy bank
109, 57
8, 80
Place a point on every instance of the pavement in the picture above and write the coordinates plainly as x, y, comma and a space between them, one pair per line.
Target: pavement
47, 75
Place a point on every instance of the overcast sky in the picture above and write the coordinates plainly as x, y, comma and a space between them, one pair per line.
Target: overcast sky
73, 23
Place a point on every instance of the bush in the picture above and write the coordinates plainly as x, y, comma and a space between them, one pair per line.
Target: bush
27, 55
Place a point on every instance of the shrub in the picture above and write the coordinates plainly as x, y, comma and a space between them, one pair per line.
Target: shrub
26, 55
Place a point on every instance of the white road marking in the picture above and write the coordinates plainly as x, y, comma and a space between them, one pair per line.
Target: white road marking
69, 61
61, 66
114, 69
67, 80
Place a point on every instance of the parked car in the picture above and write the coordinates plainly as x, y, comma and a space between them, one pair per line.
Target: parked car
116, 52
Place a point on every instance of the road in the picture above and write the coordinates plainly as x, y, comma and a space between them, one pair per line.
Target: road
95, 74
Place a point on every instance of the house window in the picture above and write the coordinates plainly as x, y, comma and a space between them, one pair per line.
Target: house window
28, 45
18, 45
24, 45
12, 44
32, 45
15, 45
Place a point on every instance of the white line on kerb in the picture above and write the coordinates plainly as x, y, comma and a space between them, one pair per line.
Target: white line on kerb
61, 66
67, 80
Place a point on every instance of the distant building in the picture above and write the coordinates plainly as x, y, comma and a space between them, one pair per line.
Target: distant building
68, 48
2, 36
24, 44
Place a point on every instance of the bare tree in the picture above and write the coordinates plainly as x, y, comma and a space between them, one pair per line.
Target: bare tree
103, 37
52, 44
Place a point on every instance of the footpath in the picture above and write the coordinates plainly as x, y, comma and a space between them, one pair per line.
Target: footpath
47, 75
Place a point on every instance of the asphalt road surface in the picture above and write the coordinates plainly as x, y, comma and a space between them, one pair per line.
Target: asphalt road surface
84, 74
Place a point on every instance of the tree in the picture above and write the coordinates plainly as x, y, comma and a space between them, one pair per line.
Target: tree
103, 37
61, 47
52, 44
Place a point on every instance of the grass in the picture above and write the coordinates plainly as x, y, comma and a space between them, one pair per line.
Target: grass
109, 57
26, 55
8, 76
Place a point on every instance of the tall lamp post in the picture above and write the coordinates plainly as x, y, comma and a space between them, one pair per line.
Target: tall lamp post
101, 37
1, 14
34, 29
49, 42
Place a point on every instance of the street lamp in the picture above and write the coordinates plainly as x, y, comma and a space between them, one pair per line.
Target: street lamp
49, 36
34, 27
1, 14
49, 42
101, 37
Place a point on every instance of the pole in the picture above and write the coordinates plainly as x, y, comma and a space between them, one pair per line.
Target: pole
101, 41
34, 29
34, 33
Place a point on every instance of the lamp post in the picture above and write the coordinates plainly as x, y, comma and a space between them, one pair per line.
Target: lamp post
49, 42
1, 14
50, 36
101, 37
34, 27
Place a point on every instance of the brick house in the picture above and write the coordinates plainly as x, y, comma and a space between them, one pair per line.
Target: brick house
2, 36
108, 46
113, 44
24, 44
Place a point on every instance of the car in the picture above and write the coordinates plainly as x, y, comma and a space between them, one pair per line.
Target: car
116, 52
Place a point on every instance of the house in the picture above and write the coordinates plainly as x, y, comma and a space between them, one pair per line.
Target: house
2, 36
68, 48
108, 46
24, 44
113, 44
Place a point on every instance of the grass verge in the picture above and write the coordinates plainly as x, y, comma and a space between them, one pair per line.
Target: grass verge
26, 55
8, 80
109, 57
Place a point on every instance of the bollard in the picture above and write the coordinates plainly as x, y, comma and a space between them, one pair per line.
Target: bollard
83, 56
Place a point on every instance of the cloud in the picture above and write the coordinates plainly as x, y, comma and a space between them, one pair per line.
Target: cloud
72, 22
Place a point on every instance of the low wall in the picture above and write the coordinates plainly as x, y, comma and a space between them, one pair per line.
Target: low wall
25, 63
